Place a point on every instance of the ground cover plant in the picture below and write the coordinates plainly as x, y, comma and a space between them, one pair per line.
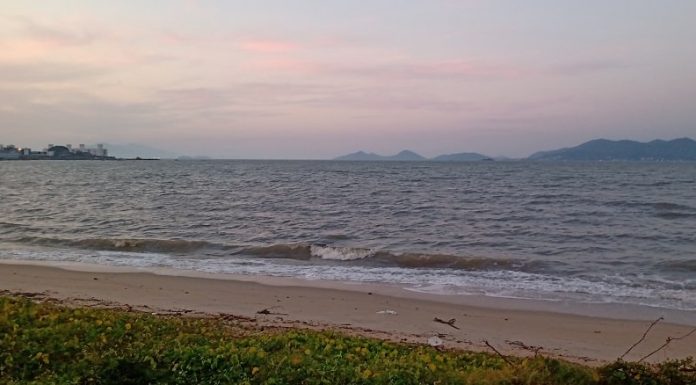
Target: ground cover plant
44, 343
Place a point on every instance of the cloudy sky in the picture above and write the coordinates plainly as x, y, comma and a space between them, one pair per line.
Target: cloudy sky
319, 78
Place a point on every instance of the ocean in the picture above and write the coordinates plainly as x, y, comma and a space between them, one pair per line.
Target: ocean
600, 232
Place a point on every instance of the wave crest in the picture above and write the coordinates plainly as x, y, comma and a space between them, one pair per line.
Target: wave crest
340, 253
297, 251
306, 252
122, 244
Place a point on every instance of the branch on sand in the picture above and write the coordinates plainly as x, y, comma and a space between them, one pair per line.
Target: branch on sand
448, 323
641, 338
667, 342
268, 311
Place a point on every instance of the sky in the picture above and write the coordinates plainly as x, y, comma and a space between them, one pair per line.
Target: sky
301, 79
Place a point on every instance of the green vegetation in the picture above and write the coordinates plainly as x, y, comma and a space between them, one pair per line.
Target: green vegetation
41, 343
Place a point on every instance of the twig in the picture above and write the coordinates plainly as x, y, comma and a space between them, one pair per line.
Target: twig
268, 311
448, 323
667, 342
232, 317
507, 360
641, 338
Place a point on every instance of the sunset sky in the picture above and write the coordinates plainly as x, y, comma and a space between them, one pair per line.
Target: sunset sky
317, 79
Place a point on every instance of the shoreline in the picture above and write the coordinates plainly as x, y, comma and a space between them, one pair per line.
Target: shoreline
510, 325
608, 310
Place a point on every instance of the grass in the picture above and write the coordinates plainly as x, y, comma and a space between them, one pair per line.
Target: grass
43, 343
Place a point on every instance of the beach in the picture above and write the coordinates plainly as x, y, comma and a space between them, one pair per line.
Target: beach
380, 311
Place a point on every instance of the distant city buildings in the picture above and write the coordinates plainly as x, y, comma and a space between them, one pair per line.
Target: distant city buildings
9, 152
55, 152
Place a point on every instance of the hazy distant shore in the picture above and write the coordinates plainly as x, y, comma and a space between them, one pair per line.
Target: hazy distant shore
360, 309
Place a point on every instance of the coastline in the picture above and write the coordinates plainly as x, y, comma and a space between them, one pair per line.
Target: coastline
514, 326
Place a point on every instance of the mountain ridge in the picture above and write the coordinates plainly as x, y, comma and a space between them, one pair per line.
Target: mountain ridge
461, 157
631, 150
411, 156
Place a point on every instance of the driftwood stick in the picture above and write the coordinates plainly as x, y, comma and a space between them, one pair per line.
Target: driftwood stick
448, 323
641, 338
268, 311
507, 360
667, 342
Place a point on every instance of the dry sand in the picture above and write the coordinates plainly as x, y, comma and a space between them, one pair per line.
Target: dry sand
353, 309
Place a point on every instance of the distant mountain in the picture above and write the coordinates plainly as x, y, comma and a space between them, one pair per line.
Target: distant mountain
411, 156
603, 149
405, 155
132, 150
361, 155
461, 157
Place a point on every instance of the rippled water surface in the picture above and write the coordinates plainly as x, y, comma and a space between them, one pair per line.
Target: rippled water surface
591, 232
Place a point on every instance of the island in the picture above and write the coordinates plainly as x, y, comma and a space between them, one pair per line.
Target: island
410, 156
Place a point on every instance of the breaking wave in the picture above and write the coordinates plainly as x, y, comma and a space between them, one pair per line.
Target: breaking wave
136, 245
298, 251
306, 252
340, 253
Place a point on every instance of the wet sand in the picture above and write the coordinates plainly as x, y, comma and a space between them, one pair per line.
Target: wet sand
371, 310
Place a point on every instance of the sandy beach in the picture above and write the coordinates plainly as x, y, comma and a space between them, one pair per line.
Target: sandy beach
377, 311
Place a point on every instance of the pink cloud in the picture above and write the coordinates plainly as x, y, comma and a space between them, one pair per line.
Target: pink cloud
170, 37
403, 70
54, 34
456, 69
29, 39
267, 46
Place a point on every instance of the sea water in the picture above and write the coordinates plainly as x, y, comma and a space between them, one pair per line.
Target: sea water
602, 232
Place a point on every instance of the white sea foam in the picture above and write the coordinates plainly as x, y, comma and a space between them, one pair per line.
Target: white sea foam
340, 253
